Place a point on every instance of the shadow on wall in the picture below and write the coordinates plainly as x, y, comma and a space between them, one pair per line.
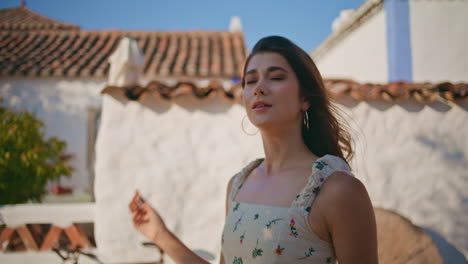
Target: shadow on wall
449, 150
448, 252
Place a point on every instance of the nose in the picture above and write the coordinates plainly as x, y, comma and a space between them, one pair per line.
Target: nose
260, 88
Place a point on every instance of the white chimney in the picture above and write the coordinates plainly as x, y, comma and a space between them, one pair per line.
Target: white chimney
125, 64
236, 25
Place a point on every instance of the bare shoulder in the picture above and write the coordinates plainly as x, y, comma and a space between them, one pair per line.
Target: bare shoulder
340, 187
345, 197
350, 219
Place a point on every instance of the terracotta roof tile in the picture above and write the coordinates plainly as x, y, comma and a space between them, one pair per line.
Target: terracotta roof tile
397, 91
162, 90
24, 19
34, 45
393, 92
86, 53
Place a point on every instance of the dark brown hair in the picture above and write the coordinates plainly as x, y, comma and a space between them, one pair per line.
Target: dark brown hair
325, 134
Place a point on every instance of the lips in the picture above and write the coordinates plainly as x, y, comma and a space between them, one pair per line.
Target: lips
260, 104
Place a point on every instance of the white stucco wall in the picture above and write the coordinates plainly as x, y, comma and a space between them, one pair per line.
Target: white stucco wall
62, 104
439, 37
180, 155
413, 159
361, 55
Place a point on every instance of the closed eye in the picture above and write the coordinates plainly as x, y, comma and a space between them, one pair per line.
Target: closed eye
251, 81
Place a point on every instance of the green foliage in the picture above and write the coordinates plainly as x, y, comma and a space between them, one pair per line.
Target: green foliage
27, 160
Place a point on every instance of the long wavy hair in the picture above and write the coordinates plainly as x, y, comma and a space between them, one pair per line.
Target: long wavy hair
325, 134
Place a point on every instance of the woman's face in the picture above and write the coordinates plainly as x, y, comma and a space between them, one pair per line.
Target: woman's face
271, 92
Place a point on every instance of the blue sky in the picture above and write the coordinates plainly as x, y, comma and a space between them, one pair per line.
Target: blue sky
306, 22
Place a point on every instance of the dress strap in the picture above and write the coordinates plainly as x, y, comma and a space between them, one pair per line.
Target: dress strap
321, 170
240, 177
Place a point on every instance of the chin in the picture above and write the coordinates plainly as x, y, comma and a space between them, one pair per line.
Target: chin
264, 123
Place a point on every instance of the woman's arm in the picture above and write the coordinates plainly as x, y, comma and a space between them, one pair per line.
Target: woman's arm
350, 219
174, 248
148, 222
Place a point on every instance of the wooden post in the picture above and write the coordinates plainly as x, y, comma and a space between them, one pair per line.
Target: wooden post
77, 237
5, 237
51, 238
27, 238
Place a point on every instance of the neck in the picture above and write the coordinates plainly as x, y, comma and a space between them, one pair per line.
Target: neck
285, 149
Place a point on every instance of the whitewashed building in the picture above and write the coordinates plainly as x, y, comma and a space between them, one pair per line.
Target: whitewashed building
172, 128
176, 135
409, 112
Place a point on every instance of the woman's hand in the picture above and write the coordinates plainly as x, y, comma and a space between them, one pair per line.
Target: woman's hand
148, 222
146, 219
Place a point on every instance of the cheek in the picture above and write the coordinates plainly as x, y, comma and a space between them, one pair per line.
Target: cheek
246, 100
289, 97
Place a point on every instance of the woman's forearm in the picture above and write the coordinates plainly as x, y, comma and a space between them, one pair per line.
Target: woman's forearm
175, 249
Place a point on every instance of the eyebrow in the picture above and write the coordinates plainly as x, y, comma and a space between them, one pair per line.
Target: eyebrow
270, 69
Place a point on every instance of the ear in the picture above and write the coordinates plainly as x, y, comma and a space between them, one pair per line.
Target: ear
305, 105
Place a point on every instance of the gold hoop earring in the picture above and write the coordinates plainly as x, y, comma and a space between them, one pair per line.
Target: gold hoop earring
306, 120
243, 128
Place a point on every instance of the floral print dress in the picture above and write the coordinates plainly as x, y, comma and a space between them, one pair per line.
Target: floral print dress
255, 233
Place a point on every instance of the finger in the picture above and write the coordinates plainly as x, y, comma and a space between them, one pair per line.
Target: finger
139, 219
145, 218
141, 214
148, 207
136, 222
133, 204
139, 200
138, 214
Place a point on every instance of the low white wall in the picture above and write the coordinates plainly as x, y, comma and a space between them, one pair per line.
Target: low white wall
62, 104
29, 257
180, 155
413, 159
62, 215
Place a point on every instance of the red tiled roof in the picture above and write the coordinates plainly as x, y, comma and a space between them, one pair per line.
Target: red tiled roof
36, 46
161, 90
397, 91
22, 18
186, 56
392, 92
86, 53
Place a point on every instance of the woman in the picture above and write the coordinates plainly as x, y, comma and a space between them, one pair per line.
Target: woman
274, 212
